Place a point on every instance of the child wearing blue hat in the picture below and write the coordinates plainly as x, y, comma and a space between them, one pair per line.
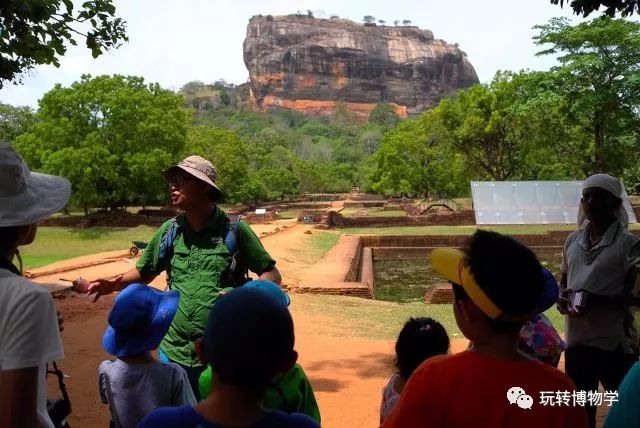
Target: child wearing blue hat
136, 383
248, 340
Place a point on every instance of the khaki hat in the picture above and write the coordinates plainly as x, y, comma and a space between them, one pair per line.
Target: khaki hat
198, 167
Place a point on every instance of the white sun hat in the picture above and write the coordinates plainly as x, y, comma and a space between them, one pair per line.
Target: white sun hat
27, 197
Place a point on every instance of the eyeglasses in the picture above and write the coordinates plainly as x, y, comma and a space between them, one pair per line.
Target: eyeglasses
178, 180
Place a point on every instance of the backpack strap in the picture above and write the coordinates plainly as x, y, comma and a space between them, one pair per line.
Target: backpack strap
231, 238
166, 247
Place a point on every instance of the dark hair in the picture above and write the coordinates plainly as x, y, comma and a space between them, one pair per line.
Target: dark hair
507, 271
9, 236
249, 337
419, 339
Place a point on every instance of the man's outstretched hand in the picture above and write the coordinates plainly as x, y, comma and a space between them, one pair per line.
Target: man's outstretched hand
99, 287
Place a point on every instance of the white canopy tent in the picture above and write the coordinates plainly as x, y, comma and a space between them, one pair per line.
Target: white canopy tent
530, 202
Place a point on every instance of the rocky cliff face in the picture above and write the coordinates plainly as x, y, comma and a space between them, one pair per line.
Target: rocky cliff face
310, 64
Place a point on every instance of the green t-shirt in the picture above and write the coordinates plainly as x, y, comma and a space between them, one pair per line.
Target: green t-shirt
292, 393
199, 259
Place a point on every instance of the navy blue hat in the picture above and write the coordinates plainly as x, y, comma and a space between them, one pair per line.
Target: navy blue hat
270, 287
249, 337
550, 292
139, 320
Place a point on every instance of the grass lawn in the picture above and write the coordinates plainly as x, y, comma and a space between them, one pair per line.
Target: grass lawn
288, 214
53, 244
316, 245
375, 319
372, 212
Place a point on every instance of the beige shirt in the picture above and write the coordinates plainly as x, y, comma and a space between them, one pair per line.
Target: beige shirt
604, 270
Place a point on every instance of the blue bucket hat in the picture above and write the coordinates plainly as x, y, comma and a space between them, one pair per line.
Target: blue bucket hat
550, 292
271, 288
139, 320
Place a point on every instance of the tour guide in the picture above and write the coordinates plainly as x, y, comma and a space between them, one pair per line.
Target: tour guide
193, 249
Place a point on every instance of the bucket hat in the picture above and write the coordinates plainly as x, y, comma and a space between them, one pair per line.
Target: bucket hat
27, 197
139, 320
199, 168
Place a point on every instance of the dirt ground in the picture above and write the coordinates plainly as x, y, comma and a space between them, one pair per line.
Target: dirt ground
347, 374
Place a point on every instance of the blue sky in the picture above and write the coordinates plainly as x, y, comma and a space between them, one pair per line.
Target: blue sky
202, 40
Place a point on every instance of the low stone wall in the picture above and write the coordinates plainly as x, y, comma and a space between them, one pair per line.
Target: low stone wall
449, 219
117, 219
253, 218
354, 267
366, 270
312, 216
399, 253
364, 204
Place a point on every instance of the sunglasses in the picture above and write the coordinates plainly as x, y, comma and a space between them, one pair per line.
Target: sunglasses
179, 179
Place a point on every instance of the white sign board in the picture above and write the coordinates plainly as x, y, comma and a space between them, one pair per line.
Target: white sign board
261, 211
530, 202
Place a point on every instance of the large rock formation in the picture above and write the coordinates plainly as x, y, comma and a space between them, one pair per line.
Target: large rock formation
310, 64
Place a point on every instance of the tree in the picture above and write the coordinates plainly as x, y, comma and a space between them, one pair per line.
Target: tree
381, 21
368, 19
224, 97
14, 121
599, 75
406, 22
410, 161
97, 130
480, 123
586, 7
36, 32
396, 22
384, 115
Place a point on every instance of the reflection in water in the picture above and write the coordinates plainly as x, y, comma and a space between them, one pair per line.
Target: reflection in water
408, 280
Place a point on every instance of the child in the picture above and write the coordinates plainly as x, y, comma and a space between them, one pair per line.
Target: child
538, 337
290, 392
419, 340
248, 340
136, 383
497, 283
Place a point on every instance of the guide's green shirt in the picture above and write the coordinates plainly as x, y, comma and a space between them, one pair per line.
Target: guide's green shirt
199, 259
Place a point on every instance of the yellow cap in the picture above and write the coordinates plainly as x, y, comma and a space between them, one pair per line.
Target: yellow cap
450, 263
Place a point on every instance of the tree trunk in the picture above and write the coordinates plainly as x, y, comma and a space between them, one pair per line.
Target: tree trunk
86, 211
599, 145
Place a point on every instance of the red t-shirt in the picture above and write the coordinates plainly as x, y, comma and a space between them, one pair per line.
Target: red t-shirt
470, 390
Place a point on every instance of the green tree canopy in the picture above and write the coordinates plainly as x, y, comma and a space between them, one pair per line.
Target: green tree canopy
384, 115
14, 121
411, 162
98, 132
611, 7
36, 32
599, 76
